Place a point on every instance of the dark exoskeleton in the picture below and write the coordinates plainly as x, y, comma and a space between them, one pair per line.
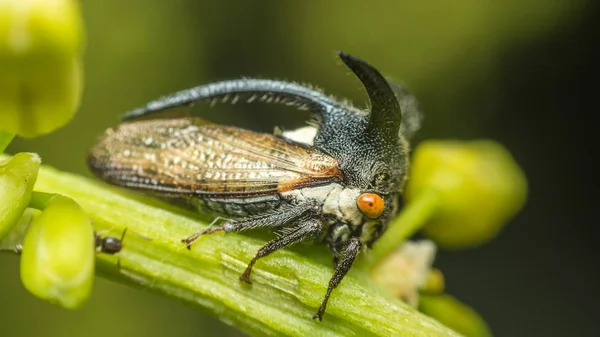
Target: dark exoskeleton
109, 244
338, 181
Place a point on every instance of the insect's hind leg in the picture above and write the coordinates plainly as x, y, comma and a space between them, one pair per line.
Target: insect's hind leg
307, 230
273, 219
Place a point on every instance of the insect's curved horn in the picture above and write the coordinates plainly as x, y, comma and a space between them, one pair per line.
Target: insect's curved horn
246, 89
386, 116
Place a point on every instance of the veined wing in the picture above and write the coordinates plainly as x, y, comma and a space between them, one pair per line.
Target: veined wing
187, 157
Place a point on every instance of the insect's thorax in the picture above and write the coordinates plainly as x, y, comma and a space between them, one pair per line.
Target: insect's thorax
338, 204
340, 213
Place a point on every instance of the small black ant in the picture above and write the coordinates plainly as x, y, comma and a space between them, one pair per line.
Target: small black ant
109, 244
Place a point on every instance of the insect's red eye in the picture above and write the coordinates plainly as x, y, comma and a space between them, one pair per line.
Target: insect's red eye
371, 205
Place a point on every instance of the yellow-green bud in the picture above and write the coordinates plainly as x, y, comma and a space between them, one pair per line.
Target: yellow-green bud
57, 262
435, 283
40, 70
17, 177
479, 188
14, 240
454, 314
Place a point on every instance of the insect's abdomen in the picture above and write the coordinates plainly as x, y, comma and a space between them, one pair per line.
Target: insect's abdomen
236, 207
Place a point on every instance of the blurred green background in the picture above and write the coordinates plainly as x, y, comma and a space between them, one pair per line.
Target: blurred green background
513, 71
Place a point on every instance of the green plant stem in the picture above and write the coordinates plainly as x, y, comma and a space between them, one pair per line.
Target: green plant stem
412, 218
5, 139
287, 286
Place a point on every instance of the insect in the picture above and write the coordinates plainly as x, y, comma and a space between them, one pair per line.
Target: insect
109, 244
112, 245
336, 181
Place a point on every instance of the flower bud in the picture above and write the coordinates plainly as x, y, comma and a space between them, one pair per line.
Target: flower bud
40, 70
17, 177
435, 283
478, 185
14, 240
454, 314
57, 262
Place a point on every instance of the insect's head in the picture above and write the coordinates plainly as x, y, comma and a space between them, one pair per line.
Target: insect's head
369, 146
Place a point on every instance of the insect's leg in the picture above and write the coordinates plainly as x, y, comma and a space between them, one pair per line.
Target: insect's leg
305, 231
336, 261
337, 241
209, 230
122, 238
274, 218
342, 268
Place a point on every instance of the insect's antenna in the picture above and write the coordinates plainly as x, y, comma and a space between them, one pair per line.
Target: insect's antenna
259, 90
123, 235
386, 116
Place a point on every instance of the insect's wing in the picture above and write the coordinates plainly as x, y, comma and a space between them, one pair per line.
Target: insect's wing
189, 157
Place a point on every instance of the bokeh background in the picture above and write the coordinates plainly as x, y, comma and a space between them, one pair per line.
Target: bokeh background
514, 71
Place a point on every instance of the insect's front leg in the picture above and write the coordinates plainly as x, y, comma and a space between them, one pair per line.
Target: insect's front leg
306, 230
342, 268
273, 219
